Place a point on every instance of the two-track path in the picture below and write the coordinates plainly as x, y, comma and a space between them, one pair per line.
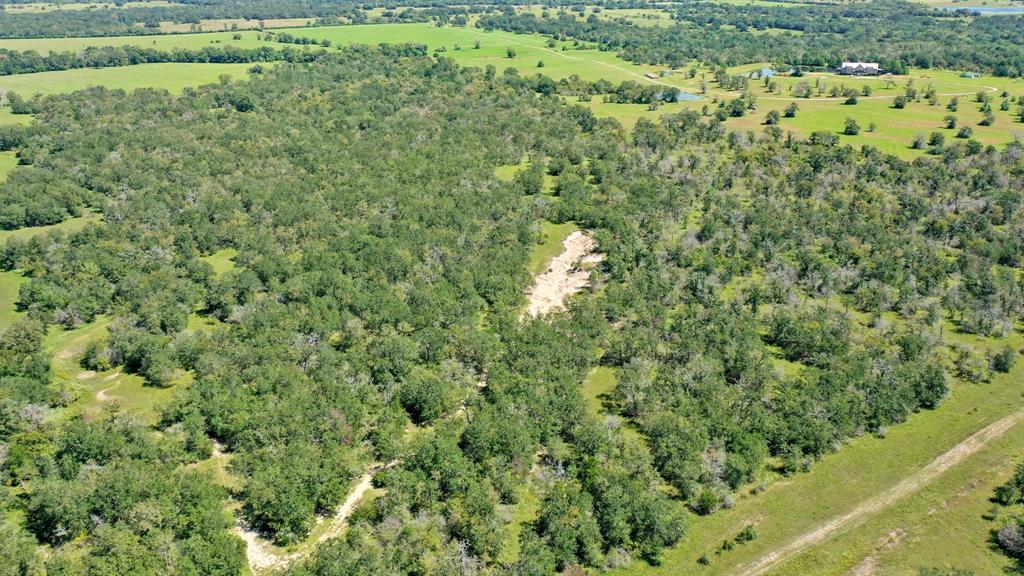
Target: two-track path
904, 488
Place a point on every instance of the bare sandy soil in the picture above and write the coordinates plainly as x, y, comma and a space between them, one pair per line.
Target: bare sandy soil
564, 277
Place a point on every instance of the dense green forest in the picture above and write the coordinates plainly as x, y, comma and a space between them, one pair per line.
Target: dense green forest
372, 315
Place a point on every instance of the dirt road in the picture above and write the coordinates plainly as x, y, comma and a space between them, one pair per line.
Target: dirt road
907, 486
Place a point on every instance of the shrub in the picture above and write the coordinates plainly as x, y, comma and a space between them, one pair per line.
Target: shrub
1003, 360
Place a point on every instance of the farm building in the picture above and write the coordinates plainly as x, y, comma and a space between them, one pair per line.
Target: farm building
651, 75
860, 68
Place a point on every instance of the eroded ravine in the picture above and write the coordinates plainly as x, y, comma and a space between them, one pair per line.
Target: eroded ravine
564, 275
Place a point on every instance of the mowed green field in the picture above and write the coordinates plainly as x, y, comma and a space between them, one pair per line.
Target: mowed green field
170, 76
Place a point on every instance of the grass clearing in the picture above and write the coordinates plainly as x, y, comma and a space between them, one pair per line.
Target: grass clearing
10, 284
158, 41
173, 77
597, 387
518, 515
8, 160
895, 129
222, 261
232, 25
552, 236
7, 117
69, 225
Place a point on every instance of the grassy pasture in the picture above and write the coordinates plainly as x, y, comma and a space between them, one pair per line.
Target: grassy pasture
530, 49
896, 129
973, 3
158, 41
91, 389
8, 117
169, 76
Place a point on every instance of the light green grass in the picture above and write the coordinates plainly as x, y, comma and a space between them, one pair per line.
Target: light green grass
159, 41
895, 129
518, 516
222, 260
552, 236
530, 49
10, 283
128, 390
508, 172
69, 225
8, 161
169, 76
972, 3
597, 387
8, 117
217, 465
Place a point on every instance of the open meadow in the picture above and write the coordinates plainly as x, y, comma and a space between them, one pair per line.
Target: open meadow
173, 77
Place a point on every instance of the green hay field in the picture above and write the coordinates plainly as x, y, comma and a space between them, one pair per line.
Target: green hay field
171, 76
895, 129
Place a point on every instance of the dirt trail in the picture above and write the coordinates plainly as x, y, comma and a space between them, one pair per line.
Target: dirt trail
563, 278
907, 486
263, 556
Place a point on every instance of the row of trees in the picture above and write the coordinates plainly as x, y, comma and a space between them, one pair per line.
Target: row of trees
26, 62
